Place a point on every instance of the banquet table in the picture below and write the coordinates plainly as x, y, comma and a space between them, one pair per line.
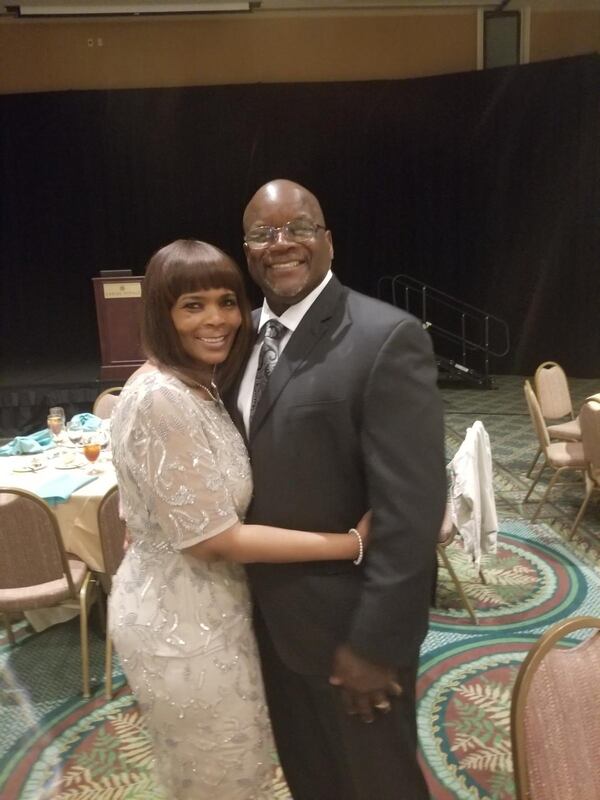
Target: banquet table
77, 517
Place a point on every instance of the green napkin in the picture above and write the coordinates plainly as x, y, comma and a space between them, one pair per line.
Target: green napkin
58, 490
34, 443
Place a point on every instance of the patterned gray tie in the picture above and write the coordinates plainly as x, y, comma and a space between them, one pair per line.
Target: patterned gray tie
273, 332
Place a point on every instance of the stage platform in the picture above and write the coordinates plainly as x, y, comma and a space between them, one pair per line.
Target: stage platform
28, 389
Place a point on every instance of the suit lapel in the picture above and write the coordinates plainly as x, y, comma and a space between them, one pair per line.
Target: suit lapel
314, 325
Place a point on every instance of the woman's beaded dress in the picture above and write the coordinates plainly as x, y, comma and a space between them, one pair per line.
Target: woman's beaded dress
181, 626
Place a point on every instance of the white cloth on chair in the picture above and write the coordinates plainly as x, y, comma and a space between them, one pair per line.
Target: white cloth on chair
472, 501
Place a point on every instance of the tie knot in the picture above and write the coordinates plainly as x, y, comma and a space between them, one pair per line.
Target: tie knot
274, 329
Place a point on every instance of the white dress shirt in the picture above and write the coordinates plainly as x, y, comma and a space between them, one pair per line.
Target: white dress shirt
472, 499
291, 318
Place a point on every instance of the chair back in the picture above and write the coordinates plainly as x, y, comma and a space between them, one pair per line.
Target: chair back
589, 419
552, 391
537, 417
31, 547
106, 401
555, 721
112, 531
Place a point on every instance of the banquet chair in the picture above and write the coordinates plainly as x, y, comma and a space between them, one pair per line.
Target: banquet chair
112, 537
470, 507
590, 437
446, 536
106, 401
559, 456
555, 717
552, 391
35, 570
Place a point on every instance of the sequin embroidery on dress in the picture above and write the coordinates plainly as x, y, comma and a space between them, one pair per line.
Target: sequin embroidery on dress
182, 627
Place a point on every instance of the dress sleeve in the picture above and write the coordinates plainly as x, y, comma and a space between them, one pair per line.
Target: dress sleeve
185, 493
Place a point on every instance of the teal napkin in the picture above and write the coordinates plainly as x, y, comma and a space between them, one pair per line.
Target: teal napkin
58, 490
89, 422
34, 443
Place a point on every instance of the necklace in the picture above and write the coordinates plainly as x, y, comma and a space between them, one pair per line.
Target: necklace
214, 394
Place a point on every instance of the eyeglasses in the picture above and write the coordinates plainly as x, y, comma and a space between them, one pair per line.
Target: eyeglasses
297, 230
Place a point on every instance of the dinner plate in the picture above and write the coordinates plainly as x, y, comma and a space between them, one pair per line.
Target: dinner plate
75, 465
29, 469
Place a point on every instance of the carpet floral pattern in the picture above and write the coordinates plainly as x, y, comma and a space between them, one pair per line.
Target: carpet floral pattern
89, 750
94, 750
465, 713
467, 672
527, 581
56, 746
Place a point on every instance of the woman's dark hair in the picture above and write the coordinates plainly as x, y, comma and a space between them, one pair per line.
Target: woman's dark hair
182, 267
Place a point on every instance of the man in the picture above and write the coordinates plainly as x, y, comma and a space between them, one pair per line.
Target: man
349, 419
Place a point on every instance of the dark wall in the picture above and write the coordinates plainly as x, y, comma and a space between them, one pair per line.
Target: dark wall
485, 185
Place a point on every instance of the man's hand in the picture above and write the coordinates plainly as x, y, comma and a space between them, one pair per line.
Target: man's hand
365, 686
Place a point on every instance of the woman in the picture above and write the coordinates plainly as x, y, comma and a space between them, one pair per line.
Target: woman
179, 609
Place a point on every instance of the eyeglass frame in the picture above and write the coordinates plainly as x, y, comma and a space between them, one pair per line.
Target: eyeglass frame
275, 230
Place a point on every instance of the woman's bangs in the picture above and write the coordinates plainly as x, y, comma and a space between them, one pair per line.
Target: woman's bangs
199, 276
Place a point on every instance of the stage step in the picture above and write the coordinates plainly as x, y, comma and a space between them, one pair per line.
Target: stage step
450, 371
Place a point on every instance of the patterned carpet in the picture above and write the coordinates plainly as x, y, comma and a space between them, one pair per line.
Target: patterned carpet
56, 746
467, 672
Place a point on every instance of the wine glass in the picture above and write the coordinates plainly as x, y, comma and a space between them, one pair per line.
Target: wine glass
91, 450
74, 432
55, 423
57, 411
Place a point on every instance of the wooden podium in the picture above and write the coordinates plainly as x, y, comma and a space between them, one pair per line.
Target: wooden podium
118, 308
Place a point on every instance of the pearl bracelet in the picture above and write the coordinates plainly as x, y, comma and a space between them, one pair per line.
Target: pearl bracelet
361, 550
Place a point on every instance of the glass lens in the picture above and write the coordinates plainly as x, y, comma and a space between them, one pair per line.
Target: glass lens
259, 236
300, 229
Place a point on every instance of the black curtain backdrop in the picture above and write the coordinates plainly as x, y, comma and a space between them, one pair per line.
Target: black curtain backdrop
485, 185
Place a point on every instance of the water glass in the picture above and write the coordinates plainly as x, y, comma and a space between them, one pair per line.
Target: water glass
55, 424
74, 432
57, 411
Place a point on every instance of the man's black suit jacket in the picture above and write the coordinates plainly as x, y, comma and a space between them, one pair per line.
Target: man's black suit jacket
351, 419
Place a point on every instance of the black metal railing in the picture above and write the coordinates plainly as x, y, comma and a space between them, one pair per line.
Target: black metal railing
464, 337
